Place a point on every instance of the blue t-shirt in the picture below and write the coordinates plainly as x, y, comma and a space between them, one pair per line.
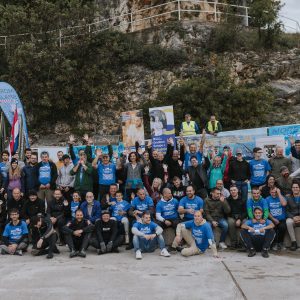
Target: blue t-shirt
201, 234
146, 228
119, 206
107, 173
262, 203
45, 173
142, 205
196, 203
15, 232
275, 208
168, 209
187, 157
257, 226
74, 207
259, 169
4, 169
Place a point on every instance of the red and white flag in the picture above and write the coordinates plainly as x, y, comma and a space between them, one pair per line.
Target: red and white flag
14, 139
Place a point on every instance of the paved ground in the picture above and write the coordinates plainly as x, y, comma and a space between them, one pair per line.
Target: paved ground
120, 276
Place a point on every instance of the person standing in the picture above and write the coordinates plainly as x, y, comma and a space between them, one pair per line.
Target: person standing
278, 161
29, 175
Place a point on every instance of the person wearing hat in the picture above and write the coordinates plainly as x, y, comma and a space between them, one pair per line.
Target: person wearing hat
284, 181
258, 235
32, 207
65, 181
189, 127
106, 237
239, 173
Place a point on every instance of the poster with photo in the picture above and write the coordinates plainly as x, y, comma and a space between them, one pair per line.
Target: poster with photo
269, 143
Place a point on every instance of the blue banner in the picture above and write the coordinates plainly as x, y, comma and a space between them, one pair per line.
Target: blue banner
162, 127
9, 100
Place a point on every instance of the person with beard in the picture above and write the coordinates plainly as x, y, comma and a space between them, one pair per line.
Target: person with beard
60, 161
77, 234
178, 189
16, 202
43, 237
284, 181
29, 174
27, 154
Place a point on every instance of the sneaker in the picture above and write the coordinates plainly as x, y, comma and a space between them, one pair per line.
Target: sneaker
265, 253
126, 239
81, 253
55, 250
294, 246
251, 253
282, 247
179, 248
164, 252
99, 252
19, 252
129, 247
138, 254
171, 249
49, 255
275, 247
222, 245
73, 253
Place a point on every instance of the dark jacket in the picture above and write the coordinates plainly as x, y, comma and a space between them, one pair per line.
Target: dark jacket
179, 192
32, 208
106, 231
44, 232
3, 212
53, 174
237, 208
18, 205
57, 209
202, 173
215, 209
292, 208
174, 169
86, 184
239, 170
157, 169
30, 178
96, 211
75, 225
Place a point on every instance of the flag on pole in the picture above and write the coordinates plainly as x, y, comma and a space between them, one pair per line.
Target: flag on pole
14, 139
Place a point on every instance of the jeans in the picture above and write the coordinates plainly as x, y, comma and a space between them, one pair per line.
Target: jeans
140, 243
222, 223
243, 189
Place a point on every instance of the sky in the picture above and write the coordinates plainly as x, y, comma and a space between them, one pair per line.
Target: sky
290, 10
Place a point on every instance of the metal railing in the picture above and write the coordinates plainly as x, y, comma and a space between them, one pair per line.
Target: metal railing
211, 11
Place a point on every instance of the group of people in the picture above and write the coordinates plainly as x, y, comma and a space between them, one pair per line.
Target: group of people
104, 200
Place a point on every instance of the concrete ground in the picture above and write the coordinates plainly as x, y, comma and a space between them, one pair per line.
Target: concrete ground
120, 276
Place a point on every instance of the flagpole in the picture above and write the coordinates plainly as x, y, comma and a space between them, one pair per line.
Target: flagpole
21, 139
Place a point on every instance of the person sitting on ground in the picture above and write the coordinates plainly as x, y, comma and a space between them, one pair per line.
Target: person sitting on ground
106, 237
258, 235
65, 181
77, 234
284, 181
147, 235
91, 208
189, 204
277, 215
197, 234
216, 208
236, 216
59, 212
43, 237
293, 214
257, 201
119, 210
213, 126
259, 168
32, 207
167, 210
15, 235
220, 186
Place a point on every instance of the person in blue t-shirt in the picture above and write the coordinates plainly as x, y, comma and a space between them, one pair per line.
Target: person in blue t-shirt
167, 210
106, 172
259, 168
75, 203
198, 235
258, 235
147, 235
277, 215
190, 203
15, 235
119, 209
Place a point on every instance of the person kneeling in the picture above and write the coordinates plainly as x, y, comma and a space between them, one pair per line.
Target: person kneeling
197, 234
77, 234
258, 234
15, 235
43, 237
108, 238
146, 237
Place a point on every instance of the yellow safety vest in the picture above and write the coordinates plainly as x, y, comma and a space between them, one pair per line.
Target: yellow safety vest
188, 129
210, 126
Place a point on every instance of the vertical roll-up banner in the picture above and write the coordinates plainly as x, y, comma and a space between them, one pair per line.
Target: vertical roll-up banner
9, 100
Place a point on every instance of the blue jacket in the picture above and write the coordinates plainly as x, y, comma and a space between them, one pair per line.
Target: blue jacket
96, 211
